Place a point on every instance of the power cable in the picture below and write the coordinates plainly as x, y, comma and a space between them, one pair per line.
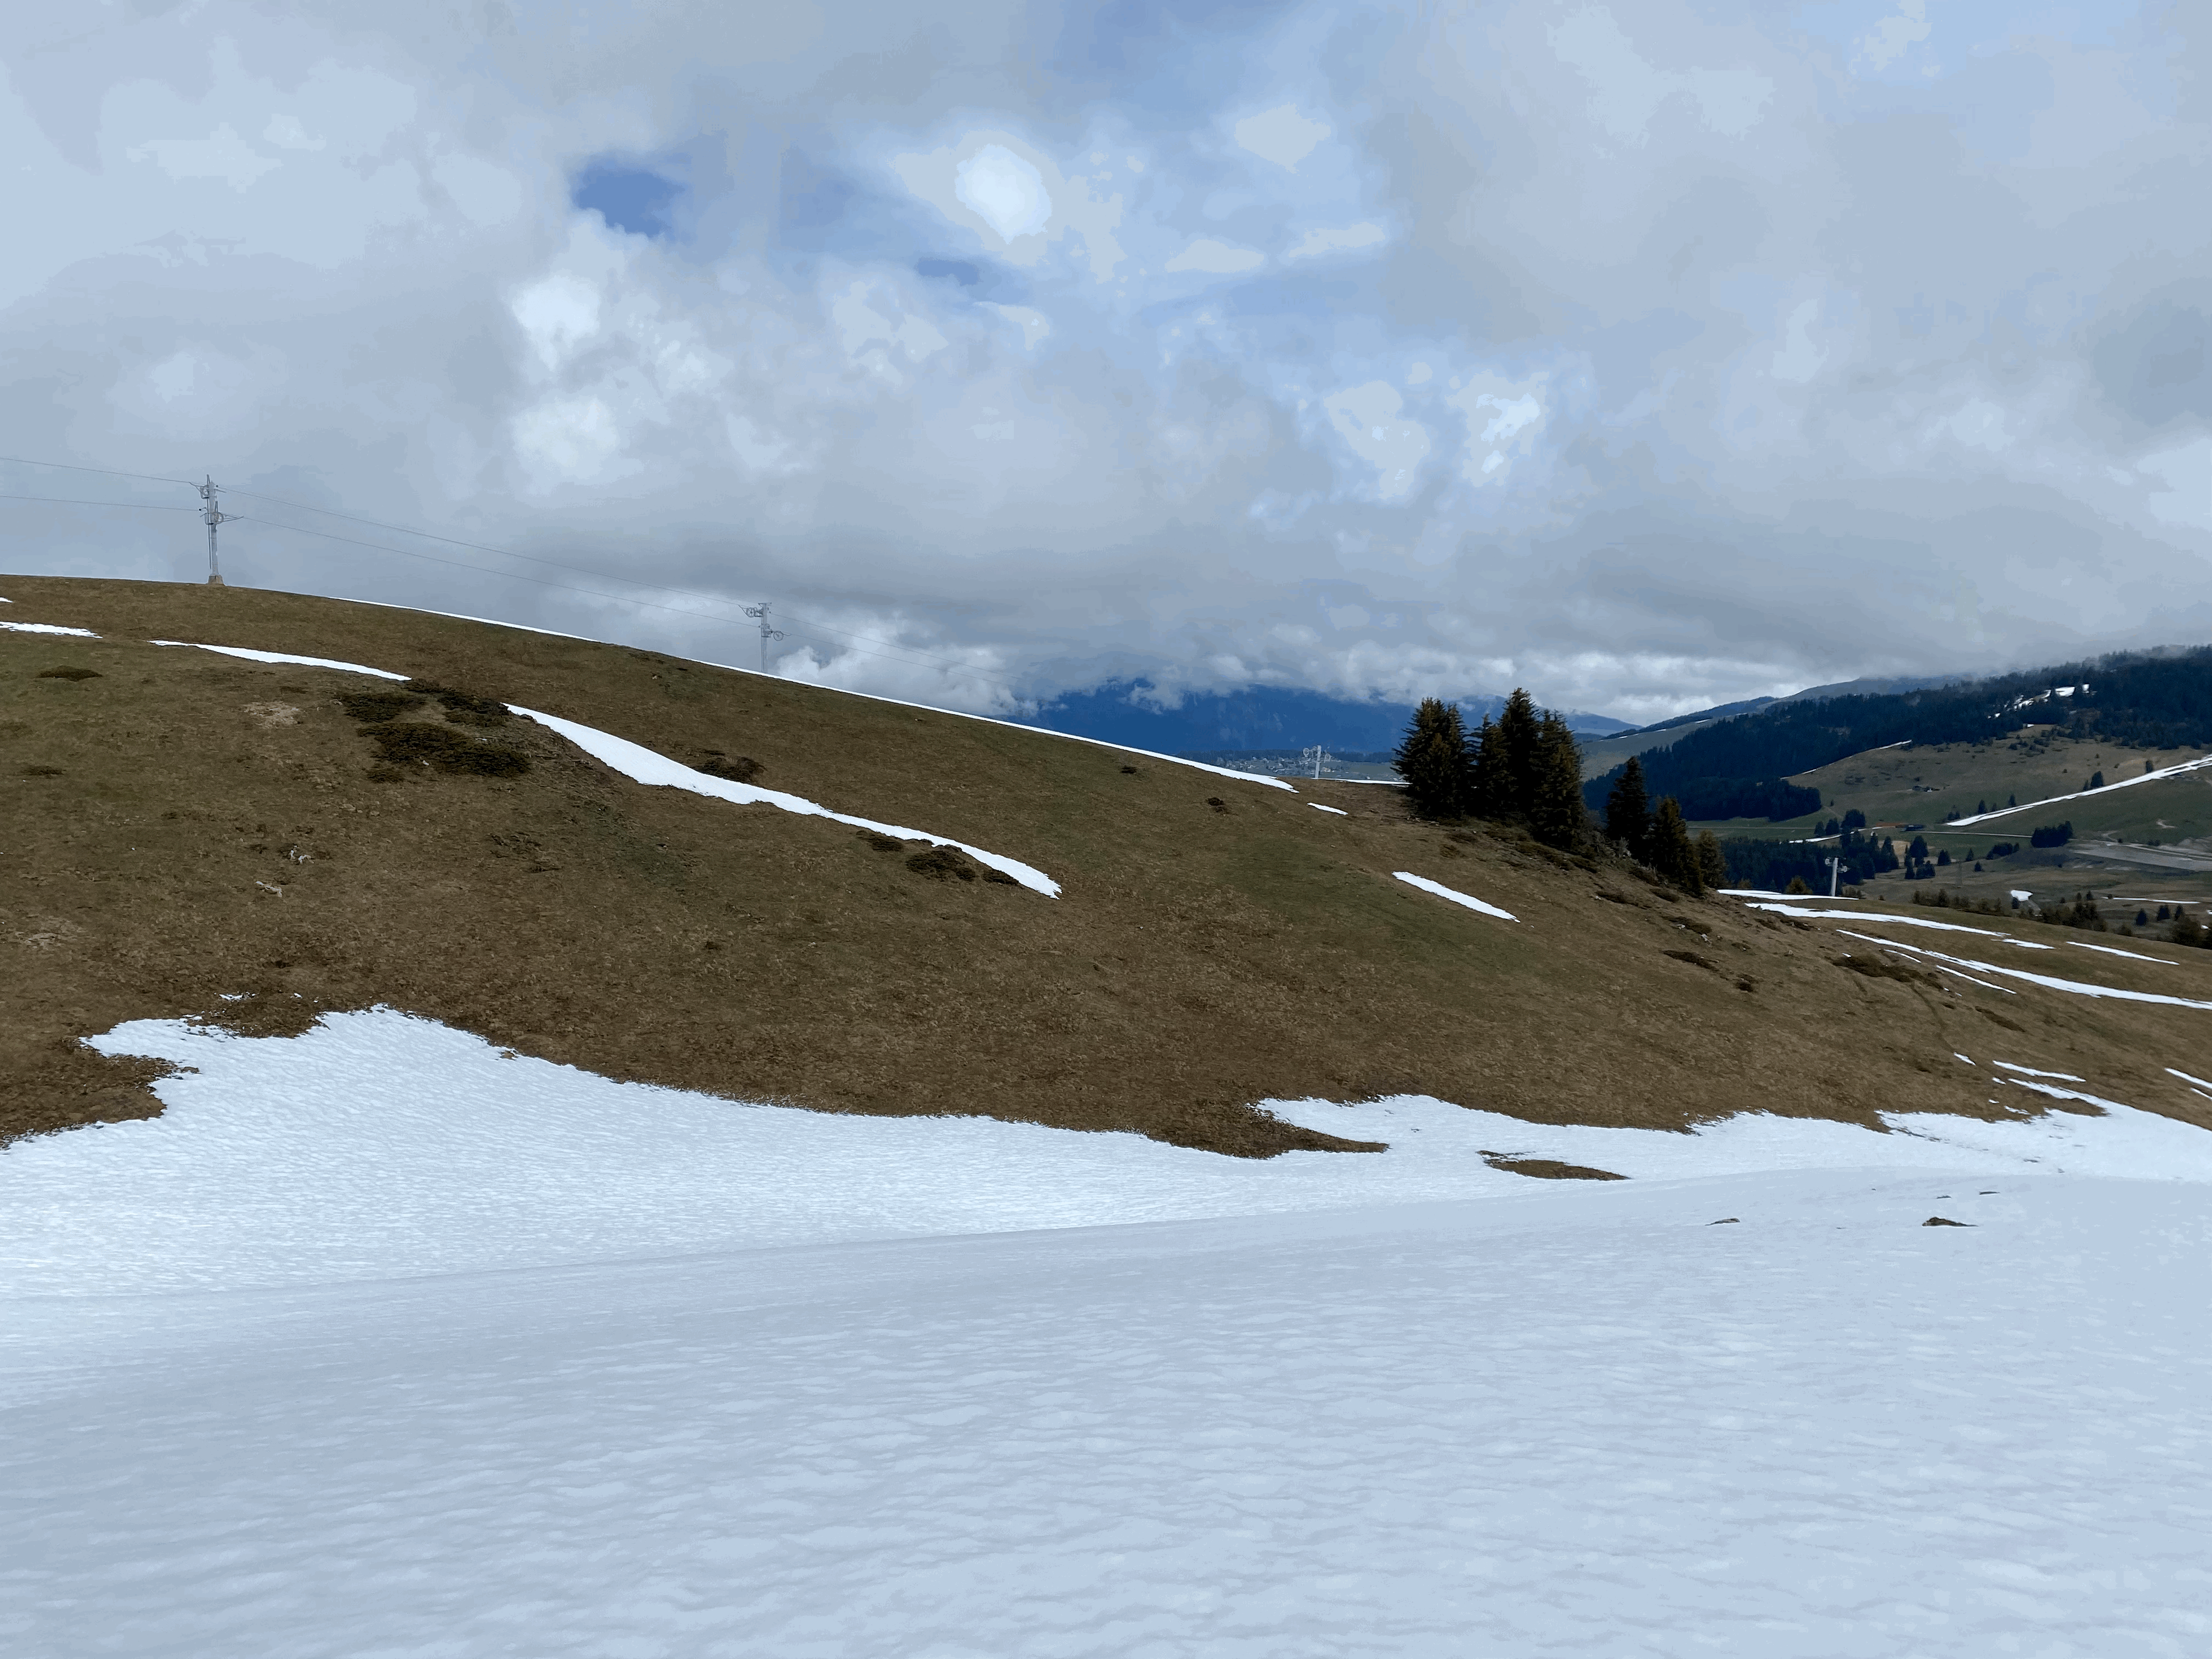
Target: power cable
106, 472
71, 501
855, 642
552, 564
617, 598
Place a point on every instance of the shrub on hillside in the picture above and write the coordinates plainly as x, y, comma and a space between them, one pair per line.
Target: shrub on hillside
2051, 835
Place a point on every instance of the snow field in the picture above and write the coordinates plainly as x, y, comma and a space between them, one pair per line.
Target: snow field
1589, 1423
379, 1342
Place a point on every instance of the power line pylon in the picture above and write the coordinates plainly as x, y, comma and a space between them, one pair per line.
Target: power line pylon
214, 515
759, 613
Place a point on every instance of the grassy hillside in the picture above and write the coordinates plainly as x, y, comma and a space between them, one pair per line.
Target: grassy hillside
193, 835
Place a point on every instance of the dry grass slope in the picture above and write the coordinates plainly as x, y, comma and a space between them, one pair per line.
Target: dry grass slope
182, 826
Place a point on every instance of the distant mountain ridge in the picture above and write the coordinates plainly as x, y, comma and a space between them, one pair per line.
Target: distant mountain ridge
1258, 718
1735, 765
1875, 686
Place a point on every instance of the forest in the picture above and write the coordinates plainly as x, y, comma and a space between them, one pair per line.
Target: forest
1735, 767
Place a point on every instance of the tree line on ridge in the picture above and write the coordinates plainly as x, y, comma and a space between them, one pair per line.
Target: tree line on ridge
1525, 768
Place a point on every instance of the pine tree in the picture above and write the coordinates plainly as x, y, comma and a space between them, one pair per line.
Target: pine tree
1672, 853
1628, 810
1432, 760
1517, 737
1556, 814
1712, 863
1486, 782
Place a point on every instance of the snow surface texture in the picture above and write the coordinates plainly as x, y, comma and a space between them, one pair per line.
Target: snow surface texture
637, 762
527, 1362
1453, 895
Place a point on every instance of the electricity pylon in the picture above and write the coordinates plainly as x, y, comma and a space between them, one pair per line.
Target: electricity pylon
758, 612
214, 515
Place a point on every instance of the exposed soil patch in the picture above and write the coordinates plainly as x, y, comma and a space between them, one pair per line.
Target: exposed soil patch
70, 674
942, 864
1881, 968
404, 742
1549, 1169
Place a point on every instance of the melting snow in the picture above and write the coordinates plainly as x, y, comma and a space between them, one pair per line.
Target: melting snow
2115, 950
48, 627
281, 657
1318, 807
2078, 986
2082, 794
380, 1144
641, 765
380, 1343
1902, 921
1456, 898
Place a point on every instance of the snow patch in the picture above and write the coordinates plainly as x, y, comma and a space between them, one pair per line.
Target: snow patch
2075, 987
282, 656
48, 627
641, 765
1456, 898
1338, 810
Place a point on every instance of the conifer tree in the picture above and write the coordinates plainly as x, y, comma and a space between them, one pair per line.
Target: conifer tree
1712, 863
1556, 815
1485, 781
1672, 853
1432, 760
1628, 810
1517, 737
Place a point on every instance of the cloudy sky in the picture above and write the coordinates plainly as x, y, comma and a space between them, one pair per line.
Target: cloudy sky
1647, 355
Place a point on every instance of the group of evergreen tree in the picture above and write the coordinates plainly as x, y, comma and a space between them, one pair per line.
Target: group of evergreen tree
1525, 767
1659, 837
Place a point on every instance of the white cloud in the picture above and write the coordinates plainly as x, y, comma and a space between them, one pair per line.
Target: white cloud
413, 317
1216, 258
1367, 417
1034, 324
285, 132
1281, 135
1800, 358
1348, 239
1627, 91
1007, 191
221, 154
1895, 36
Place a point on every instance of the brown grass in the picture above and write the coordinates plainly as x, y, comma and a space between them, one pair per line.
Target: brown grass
1203, 957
